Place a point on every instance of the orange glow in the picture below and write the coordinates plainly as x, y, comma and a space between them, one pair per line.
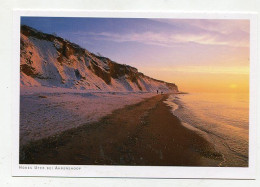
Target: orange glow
206, 79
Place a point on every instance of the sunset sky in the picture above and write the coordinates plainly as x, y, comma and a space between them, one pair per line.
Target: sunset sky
197, 55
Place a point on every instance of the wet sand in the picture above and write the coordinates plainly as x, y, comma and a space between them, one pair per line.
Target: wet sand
145, 134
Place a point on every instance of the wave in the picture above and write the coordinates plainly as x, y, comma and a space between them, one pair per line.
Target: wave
225, 130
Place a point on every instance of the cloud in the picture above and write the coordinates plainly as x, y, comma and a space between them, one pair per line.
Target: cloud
219, 32
145, 37
232, 33
243, 70
219, 26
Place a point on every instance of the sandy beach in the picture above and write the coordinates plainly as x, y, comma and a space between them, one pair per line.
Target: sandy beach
145, 134
52, 111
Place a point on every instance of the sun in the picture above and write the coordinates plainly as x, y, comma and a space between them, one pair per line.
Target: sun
233, 86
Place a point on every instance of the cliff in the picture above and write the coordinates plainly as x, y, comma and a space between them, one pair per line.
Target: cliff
48, 60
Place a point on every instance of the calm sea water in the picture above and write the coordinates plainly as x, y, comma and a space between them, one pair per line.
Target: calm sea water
223, 119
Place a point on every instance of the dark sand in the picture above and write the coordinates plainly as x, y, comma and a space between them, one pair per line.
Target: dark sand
144, 134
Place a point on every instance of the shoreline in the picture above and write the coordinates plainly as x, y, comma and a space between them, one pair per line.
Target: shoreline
144, 134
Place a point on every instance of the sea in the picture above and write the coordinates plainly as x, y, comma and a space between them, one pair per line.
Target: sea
221, 118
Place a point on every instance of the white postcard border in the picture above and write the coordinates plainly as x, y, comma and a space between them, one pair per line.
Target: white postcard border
134, 171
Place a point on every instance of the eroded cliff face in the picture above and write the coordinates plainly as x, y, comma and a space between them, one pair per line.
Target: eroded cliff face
48, 60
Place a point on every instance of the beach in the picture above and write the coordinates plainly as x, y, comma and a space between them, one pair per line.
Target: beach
143, 134
46, 112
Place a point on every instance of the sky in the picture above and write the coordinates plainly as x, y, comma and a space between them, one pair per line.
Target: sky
199, 55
